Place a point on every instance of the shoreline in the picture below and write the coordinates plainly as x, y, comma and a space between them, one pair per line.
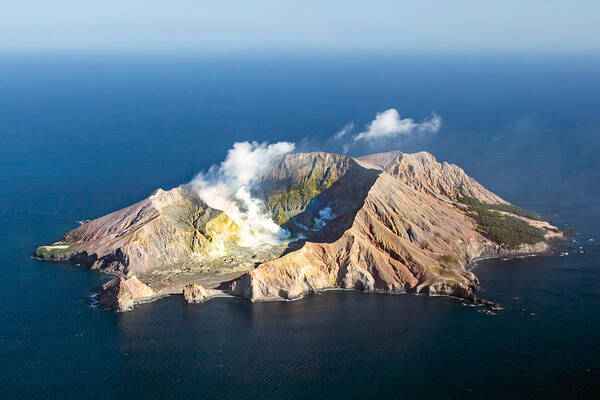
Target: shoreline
471, 300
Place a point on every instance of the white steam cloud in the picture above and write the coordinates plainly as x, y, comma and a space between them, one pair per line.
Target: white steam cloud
389, 124
227, 187
344, 131
325, 215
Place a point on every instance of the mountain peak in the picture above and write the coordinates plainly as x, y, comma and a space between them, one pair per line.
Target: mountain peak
425, 174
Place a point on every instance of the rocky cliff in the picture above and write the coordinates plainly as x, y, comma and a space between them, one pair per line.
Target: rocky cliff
388, 222
423, 173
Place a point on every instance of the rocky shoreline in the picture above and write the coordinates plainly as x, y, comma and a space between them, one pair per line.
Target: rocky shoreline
123, 293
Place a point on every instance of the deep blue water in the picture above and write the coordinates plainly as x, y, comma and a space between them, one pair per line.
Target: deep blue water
82, 136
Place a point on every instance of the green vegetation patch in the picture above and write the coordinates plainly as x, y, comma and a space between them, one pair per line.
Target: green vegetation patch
511, 208
555, 230
289, 201
53, 250
446, 273
448, 259
453, 282
506, 230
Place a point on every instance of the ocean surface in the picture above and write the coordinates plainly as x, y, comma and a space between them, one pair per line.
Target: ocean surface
84, 135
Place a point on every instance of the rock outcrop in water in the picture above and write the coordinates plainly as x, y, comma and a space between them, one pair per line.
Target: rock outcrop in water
121, 293
194, 293
388, 222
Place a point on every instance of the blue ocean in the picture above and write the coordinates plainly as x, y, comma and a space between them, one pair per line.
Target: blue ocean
83, 135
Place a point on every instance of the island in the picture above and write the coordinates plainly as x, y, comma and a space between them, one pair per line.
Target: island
388, 222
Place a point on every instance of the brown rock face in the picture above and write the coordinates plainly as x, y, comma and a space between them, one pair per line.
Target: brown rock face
194, 293
385, 222
398, 240
423, 173
396, 229
122, 293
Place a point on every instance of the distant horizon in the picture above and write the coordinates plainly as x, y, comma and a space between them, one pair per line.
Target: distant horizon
302, 53
347, 26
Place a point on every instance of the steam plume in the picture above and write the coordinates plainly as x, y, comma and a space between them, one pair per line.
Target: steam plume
389, 124
228, 187
386, 125
344, 131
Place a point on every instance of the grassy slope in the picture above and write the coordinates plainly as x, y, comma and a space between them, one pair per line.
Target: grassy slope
52, 250
506, 230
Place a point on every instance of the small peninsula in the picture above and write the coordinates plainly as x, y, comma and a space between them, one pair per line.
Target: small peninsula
388, 222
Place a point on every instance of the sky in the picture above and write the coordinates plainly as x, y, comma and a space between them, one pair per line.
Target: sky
463, 25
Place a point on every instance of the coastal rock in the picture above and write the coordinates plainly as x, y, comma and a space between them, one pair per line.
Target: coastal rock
450, 288
121, 293
194, 293
490, 304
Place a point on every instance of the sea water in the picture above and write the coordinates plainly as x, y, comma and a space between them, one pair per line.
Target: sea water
83, 135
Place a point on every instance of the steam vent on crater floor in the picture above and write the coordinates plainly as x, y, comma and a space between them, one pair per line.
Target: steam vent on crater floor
389, 222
